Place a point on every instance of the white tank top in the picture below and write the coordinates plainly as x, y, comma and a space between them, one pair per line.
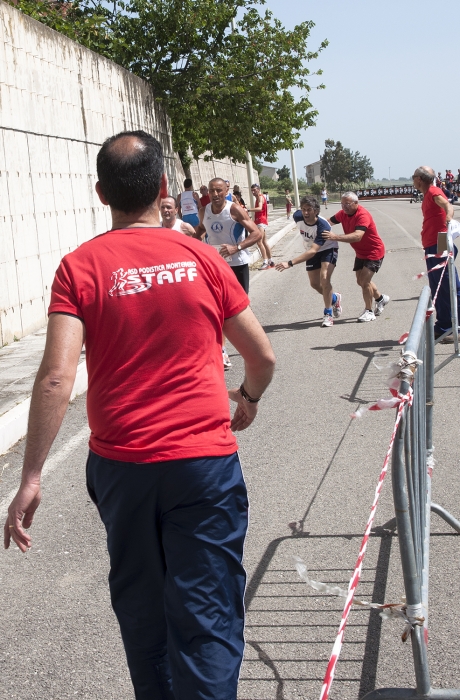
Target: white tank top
221, 228
177, 225
188, 203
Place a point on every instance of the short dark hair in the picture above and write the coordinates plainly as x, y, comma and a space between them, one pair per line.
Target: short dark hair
310, 202
130, 178
188, 182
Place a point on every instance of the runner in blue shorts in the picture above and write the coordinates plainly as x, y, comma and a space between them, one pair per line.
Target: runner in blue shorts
320, 256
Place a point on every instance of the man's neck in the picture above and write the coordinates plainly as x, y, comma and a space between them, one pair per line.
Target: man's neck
170, 223
217, 210
146, 218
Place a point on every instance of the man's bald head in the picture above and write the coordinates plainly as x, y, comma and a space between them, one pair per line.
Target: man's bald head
129, 167
425, 173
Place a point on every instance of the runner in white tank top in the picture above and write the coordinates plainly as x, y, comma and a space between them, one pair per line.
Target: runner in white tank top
170, 220
189, 204
224, 223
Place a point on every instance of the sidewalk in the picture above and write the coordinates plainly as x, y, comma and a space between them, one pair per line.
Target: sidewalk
20, 361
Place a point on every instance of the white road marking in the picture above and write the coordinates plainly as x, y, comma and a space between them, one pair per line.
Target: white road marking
414, 240
50, 464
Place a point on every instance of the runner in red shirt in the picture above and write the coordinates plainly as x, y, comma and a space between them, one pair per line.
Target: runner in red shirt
437, 213
361, 233
261, 219
151, 304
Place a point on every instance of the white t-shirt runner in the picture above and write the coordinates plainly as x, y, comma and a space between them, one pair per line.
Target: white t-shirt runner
222, 229
188, 203
312, 233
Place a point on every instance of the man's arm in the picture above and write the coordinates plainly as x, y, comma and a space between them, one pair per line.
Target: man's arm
50, 397
353, 237
446, 205
255, 234
188, 229
300, 259
200, 230
248, 337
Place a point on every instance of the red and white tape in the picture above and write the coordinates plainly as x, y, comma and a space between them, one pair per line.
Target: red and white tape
401, 401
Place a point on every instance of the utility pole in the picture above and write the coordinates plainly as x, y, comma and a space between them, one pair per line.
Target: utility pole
294, 180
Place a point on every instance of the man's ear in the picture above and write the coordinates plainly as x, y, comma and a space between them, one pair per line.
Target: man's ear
164, 186
100, 194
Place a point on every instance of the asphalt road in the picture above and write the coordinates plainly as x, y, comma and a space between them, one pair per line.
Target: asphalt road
305, 460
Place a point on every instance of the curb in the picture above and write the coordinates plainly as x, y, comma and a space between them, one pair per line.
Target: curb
13, 423
273, 241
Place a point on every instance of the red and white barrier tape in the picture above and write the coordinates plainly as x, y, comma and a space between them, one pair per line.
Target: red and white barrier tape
336, 649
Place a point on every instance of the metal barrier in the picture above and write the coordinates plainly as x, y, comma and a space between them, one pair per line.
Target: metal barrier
412, 462
453, 303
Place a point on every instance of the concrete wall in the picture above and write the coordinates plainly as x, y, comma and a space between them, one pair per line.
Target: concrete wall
58, 103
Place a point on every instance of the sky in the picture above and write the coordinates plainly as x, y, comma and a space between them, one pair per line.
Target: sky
391, 75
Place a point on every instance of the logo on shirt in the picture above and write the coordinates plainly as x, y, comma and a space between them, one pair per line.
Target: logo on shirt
217, 227
135, 280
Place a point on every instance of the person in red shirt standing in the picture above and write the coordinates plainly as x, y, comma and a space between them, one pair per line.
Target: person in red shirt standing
163, 466
437, 213
361, 233
261, 220
205, 198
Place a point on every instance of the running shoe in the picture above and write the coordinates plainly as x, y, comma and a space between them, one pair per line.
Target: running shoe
271, 263
226, 361
264, 266
380, 305
366, 316
327, 321
337, 307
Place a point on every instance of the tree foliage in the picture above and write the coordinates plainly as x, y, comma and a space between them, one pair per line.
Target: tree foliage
283, 172
340, 166
226, 92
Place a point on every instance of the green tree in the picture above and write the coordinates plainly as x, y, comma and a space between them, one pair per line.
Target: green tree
316, 188
336, 164
284, 184
341, 167
283, 172
267, 183
226, 92
362, 169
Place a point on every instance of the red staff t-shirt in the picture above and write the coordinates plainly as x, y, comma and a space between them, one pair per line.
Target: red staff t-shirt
434, 218
153, 303
371, 246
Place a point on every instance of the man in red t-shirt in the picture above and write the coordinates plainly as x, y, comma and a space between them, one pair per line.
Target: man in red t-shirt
205, 198
361, 233
260, 210
437, 213
163, 469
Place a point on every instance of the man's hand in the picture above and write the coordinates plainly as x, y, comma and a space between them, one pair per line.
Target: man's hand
281, 266
227, 250
20, 515
329, 236
245, 411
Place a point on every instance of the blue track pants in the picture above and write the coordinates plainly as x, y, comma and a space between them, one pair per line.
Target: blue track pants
175, 534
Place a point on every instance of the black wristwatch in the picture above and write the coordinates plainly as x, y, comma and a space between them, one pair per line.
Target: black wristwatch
290, 263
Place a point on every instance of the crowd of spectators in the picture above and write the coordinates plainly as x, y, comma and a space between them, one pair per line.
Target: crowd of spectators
449, 184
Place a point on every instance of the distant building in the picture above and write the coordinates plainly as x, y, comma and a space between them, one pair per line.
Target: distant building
268, 171
313, 172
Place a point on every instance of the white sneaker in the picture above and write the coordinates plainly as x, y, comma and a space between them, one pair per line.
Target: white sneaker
337, 307
327, 321
380, 305
366, 316
264, 266
226, 360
